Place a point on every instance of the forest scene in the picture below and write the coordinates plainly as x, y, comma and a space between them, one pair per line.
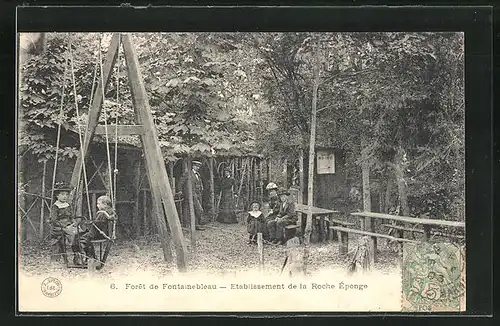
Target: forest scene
389, 105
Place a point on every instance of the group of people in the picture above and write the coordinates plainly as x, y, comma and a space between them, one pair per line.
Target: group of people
225, 199
280, 213
78, 232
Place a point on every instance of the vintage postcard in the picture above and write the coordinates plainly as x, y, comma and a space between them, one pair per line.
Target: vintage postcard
241, 172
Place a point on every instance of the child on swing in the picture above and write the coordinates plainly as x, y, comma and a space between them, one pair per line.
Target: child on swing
102, 226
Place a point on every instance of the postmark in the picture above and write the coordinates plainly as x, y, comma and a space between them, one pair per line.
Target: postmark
51, 287
433, 277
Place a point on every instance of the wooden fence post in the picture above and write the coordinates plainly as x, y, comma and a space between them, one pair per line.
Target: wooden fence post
260, 249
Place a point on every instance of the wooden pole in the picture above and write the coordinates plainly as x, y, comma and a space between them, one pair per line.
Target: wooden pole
42, 209
367, 207
241, 184
261, 180
312, 144
301, 177
260, 249
158, 214
285, 172
254, 178
137, 190
300, 195
249, 171
212, 186
144, 212
187, 168
269, 170
157, 172
95, 109
171, 175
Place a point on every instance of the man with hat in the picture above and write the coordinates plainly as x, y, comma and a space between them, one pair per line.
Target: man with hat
273, 206
197, 186
286, 216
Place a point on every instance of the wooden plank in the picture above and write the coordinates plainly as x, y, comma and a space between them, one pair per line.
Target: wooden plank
403, 228
370, 234
315, 210
95, 109
143, 111
123, 130
414, 220
159, 213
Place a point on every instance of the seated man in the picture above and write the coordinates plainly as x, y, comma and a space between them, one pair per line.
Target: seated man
286, 216
272, 208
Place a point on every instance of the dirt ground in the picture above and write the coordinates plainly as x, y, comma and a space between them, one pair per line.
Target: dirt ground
221, 249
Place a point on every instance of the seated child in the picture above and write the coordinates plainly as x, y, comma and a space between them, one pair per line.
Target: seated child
101, 227
62, 228
255, 222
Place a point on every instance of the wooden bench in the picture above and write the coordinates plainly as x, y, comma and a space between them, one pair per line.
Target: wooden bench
344, 237
324, 218
290, 231
403, 228
426, 223
332, 236
431, 232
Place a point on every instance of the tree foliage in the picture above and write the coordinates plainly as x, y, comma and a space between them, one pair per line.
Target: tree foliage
236, 93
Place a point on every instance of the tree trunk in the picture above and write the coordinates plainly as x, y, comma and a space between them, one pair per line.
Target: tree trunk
187, 167
312, 144
387, 195
367, 207
212, 186
399, 172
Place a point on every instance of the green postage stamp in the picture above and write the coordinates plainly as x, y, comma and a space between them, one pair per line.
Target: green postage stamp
433, 277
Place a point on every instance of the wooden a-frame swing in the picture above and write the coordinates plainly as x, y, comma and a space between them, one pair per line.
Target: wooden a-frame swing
163, 199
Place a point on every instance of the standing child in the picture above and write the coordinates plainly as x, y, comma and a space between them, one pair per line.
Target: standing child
255, 222
102, 226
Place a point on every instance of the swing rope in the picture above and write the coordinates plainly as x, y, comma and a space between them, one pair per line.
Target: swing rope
116, 119
94, 80
115, 174
59, 123
111, 191
70, 44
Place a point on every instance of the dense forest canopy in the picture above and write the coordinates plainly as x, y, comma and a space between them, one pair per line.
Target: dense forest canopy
234, 93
